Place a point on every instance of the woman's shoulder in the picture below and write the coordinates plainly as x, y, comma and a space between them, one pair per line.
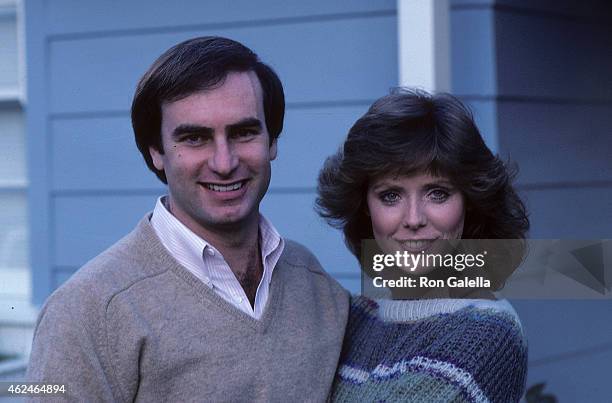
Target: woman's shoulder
441, 327
467, 311
476, 345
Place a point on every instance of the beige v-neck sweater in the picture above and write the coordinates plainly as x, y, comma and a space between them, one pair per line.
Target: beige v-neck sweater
133, 325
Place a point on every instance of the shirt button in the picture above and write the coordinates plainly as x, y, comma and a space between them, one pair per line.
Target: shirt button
210, 252
239, 299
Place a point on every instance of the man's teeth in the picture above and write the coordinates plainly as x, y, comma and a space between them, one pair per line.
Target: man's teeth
224, 188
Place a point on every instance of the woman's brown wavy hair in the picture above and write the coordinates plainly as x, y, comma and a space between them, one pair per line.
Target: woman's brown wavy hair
412, 131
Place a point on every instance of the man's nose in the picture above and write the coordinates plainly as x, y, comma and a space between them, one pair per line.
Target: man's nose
414, 215
224, 159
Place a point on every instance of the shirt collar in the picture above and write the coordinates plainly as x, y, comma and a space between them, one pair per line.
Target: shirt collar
180, 240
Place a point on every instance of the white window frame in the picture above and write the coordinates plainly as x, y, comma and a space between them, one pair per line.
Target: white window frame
15, 282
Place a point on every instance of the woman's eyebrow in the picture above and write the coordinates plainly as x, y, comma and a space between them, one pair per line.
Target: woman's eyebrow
440, 182
384, 184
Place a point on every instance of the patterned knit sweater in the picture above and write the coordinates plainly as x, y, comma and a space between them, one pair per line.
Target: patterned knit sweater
436, 350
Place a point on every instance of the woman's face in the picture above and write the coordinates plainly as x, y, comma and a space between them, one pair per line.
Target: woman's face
409, 213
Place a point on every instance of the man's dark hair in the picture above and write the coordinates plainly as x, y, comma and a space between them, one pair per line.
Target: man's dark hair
195, 65
409, 132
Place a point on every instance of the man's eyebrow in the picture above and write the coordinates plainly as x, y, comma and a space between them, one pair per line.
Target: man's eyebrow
190, 129
246, 122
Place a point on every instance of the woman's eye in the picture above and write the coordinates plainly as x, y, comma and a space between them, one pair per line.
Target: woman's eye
389, 197
439, 195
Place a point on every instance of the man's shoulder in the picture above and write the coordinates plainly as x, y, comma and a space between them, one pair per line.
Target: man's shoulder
128, 261
298, 255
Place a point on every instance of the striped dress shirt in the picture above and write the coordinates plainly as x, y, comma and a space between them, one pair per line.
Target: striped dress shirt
207, 264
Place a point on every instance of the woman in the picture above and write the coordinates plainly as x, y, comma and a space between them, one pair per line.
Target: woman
413, 172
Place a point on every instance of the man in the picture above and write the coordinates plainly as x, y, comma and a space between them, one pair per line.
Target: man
203, 301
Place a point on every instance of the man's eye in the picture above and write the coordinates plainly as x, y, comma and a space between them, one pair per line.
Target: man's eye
196, 139
245, 133
439, 195
389, 197
192, 138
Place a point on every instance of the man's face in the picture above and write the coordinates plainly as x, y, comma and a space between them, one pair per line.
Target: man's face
216, 155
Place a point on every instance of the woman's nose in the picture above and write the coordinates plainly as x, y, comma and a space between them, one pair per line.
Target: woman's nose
414, 215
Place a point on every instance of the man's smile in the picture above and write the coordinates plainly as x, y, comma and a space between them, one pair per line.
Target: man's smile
224, 187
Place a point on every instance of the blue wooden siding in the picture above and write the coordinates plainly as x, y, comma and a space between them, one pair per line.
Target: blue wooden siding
473, 64
90, 185
538, 75
535, 73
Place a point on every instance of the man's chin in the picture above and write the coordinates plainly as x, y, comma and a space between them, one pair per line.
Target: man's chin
224, 220
228, 219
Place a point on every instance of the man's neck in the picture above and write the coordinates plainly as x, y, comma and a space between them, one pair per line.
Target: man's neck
242, 252
240, 246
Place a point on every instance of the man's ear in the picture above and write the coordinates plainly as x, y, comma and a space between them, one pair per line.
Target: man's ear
157, 158
273, 150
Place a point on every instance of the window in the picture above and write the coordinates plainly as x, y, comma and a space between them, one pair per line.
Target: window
14, 266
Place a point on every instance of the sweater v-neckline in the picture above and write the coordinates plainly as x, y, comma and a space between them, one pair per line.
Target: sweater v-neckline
206, 292
157, 251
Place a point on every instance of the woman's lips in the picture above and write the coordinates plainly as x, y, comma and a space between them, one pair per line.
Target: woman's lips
416, 245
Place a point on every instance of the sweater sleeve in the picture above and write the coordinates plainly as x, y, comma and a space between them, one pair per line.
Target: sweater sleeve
69, 348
